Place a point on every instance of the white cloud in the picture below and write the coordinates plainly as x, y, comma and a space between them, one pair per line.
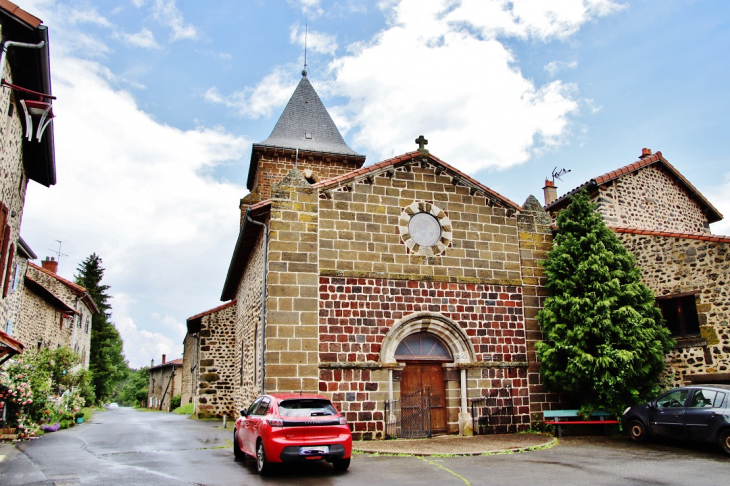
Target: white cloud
166, 13
429, 74
310, 8
720, 198
272, 92
316, 41
89, 15
144, 38
136, 192
554, 67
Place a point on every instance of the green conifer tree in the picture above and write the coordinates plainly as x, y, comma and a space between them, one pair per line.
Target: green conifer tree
604, 340
106, 356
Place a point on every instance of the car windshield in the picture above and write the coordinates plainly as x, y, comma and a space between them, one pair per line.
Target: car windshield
306, 408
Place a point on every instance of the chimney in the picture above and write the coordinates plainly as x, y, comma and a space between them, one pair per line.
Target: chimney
50, 264
550, 192
163, 359
152, 364
645, 152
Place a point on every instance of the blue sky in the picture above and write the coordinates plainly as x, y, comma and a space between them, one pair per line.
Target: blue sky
159, 102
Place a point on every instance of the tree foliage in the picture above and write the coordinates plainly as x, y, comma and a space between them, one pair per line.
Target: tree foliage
604, 340
106, 357
135, 388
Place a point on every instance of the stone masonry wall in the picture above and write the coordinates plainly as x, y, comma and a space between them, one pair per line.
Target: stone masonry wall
13, 182
190, 370
163, 385
219, 373
291, 315
678, 265
41, 325
274, 165
536, 241
649, 199
15, 296
248, 316
359, 233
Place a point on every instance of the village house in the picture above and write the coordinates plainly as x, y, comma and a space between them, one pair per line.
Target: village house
165, 383
27, 146
664, 221
55, 312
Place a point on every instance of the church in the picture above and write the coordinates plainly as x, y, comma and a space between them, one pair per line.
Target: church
378, 286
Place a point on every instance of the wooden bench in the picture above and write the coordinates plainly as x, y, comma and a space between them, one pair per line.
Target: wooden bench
570, 419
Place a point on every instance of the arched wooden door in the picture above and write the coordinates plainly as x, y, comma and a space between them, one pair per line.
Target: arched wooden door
424, 353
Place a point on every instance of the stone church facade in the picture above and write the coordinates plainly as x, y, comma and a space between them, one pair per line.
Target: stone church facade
367, 284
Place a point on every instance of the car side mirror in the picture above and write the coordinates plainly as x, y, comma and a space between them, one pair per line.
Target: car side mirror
243, 412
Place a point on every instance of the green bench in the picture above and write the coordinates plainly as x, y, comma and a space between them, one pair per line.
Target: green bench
571, 417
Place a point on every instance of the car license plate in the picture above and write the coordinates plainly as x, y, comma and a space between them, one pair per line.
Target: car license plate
307, 451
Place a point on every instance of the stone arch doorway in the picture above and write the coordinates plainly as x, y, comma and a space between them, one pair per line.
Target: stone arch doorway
423, 355
453, 349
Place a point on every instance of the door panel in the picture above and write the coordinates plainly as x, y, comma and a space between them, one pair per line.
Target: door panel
424, 378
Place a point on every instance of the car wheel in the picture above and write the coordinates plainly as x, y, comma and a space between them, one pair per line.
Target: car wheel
341, 464
262, 465
725, 440
237, 452
637, 431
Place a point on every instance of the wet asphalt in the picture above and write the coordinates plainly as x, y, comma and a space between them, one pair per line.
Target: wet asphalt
130, 447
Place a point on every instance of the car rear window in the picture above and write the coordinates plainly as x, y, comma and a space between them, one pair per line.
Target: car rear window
306, 408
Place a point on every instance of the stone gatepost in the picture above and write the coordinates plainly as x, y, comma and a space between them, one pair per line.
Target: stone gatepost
292, 301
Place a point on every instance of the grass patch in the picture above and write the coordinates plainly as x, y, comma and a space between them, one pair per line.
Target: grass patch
186, 409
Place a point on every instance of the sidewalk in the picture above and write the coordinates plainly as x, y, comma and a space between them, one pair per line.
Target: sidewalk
457, 445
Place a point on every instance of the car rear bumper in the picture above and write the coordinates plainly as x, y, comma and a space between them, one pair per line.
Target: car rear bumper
292, 454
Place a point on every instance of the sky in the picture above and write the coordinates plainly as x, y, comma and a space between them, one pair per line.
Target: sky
159, 102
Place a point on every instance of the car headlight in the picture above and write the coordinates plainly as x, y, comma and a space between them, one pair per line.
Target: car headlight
626, 411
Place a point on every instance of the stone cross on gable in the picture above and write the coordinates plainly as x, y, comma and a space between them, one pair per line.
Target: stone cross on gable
421, 141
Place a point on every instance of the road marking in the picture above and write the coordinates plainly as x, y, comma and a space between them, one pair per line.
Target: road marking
467, 483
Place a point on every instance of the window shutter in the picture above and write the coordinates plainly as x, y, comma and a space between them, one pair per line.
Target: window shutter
4, 259
8, 271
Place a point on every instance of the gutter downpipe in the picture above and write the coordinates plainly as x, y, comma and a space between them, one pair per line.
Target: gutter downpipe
7, 44
263, 296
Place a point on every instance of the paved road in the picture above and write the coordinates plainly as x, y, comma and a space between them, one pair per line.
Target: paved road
128, 447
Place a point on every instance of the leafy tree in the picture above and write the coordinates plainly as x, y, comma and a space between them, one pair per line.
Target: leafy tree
604, 341
136, 387
106, 357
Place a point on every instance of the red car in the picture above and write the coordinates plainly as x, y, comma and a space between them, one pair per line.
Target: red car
292, 427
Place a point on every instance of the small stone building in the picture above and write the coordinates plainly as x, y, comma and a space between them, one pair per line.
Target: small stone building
664, 221
165, 382
210, 373
54, 312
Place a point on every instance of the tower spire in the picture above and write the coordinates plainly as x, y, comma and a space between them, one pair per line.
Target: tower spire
304, 71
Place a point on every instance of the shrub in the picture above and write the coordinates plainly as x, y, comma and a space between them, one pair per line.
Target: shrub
175, 402
186, 409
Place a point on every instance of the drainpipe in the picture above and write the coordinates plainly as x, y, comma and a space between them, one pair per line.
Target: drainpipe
8, 44
263, 296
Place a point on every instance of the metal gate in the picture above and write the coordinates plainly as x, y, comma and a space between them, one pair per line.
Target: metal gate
410, 416
493, 413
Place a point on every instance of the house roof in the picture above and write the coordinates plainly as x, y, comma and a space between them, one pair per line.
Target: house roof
31, 70
76, 289
671, 234
194, 322
175, 362
247, 236
656, 159
47, 295
306, 125
9, 347
24, 248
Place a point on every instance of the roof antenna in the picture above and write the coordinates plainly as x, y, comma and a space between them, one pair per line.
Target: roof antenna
557, 174
304, 71
58, 253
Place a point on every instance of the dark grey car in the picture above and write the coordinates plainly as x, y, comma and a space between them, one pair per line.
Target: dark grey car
696, 412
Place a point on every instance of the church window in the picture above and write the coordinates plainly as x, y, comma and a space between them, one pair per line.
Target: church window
680, 313
425, 229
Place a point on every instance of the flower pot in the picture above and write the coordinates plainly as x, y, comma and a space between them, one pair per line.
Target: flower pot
80, 420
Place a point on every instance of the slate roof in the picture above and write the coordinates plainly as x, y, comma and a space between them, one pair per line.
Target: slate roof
306, 125
713, 215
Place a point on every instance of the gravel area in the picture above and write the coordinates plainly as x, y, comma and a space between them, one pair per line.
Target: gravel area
456, 445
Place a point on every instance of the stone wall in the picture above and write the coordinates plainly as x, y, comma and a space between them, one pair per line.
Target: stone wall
248, 317
275, 164
13, 184
190, 370
165, 382
649, 198
219, 373
14, 298
41, 325
679, 265
361, 231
